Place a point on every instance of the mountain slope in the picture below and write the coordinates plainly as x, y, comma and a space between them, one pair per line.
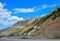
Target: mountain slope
51, 27
39, 26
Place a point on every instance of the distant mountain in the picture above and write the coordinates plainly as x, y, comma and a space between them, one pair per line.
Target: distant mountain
46, 26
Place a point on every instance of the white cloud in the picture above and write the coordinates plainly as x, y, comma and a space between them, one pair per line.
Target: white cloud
53, 5
42, 15
44, 6
12, 20
23, 10
4, 13
33, 9
6, 19
16, 18
1, 5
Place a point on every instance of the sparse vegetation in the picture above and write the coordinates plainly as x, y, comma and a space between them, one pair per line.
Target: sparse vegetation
23, 27
57, 37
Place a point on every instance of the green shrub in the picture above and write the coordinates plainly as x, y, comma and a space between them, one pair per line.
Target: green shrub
57, 37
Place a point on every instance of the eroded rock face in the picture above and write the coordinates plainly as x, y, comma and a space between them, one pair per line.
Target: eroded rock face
51, 28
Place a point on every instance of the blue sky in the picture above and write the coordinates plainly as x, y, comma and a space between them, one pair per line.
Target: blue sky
12, 11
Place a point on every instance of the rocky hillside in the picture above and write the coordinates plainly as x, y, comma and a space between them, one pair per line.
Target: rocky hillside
47, 26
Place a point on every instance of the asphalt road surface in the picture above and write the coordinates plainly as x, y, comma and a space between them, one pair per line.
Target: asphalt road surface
26, 40
18, 38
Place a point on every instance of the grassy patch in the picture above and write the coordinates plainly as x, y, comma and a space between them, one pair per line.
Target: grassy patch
57, 37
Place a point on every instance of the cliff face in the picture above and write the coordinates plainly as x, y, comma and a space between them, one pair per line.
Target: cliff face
47, 26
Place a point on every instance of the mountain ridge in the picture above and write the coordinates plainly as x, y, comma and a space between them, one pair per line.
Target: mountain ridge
36, 26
